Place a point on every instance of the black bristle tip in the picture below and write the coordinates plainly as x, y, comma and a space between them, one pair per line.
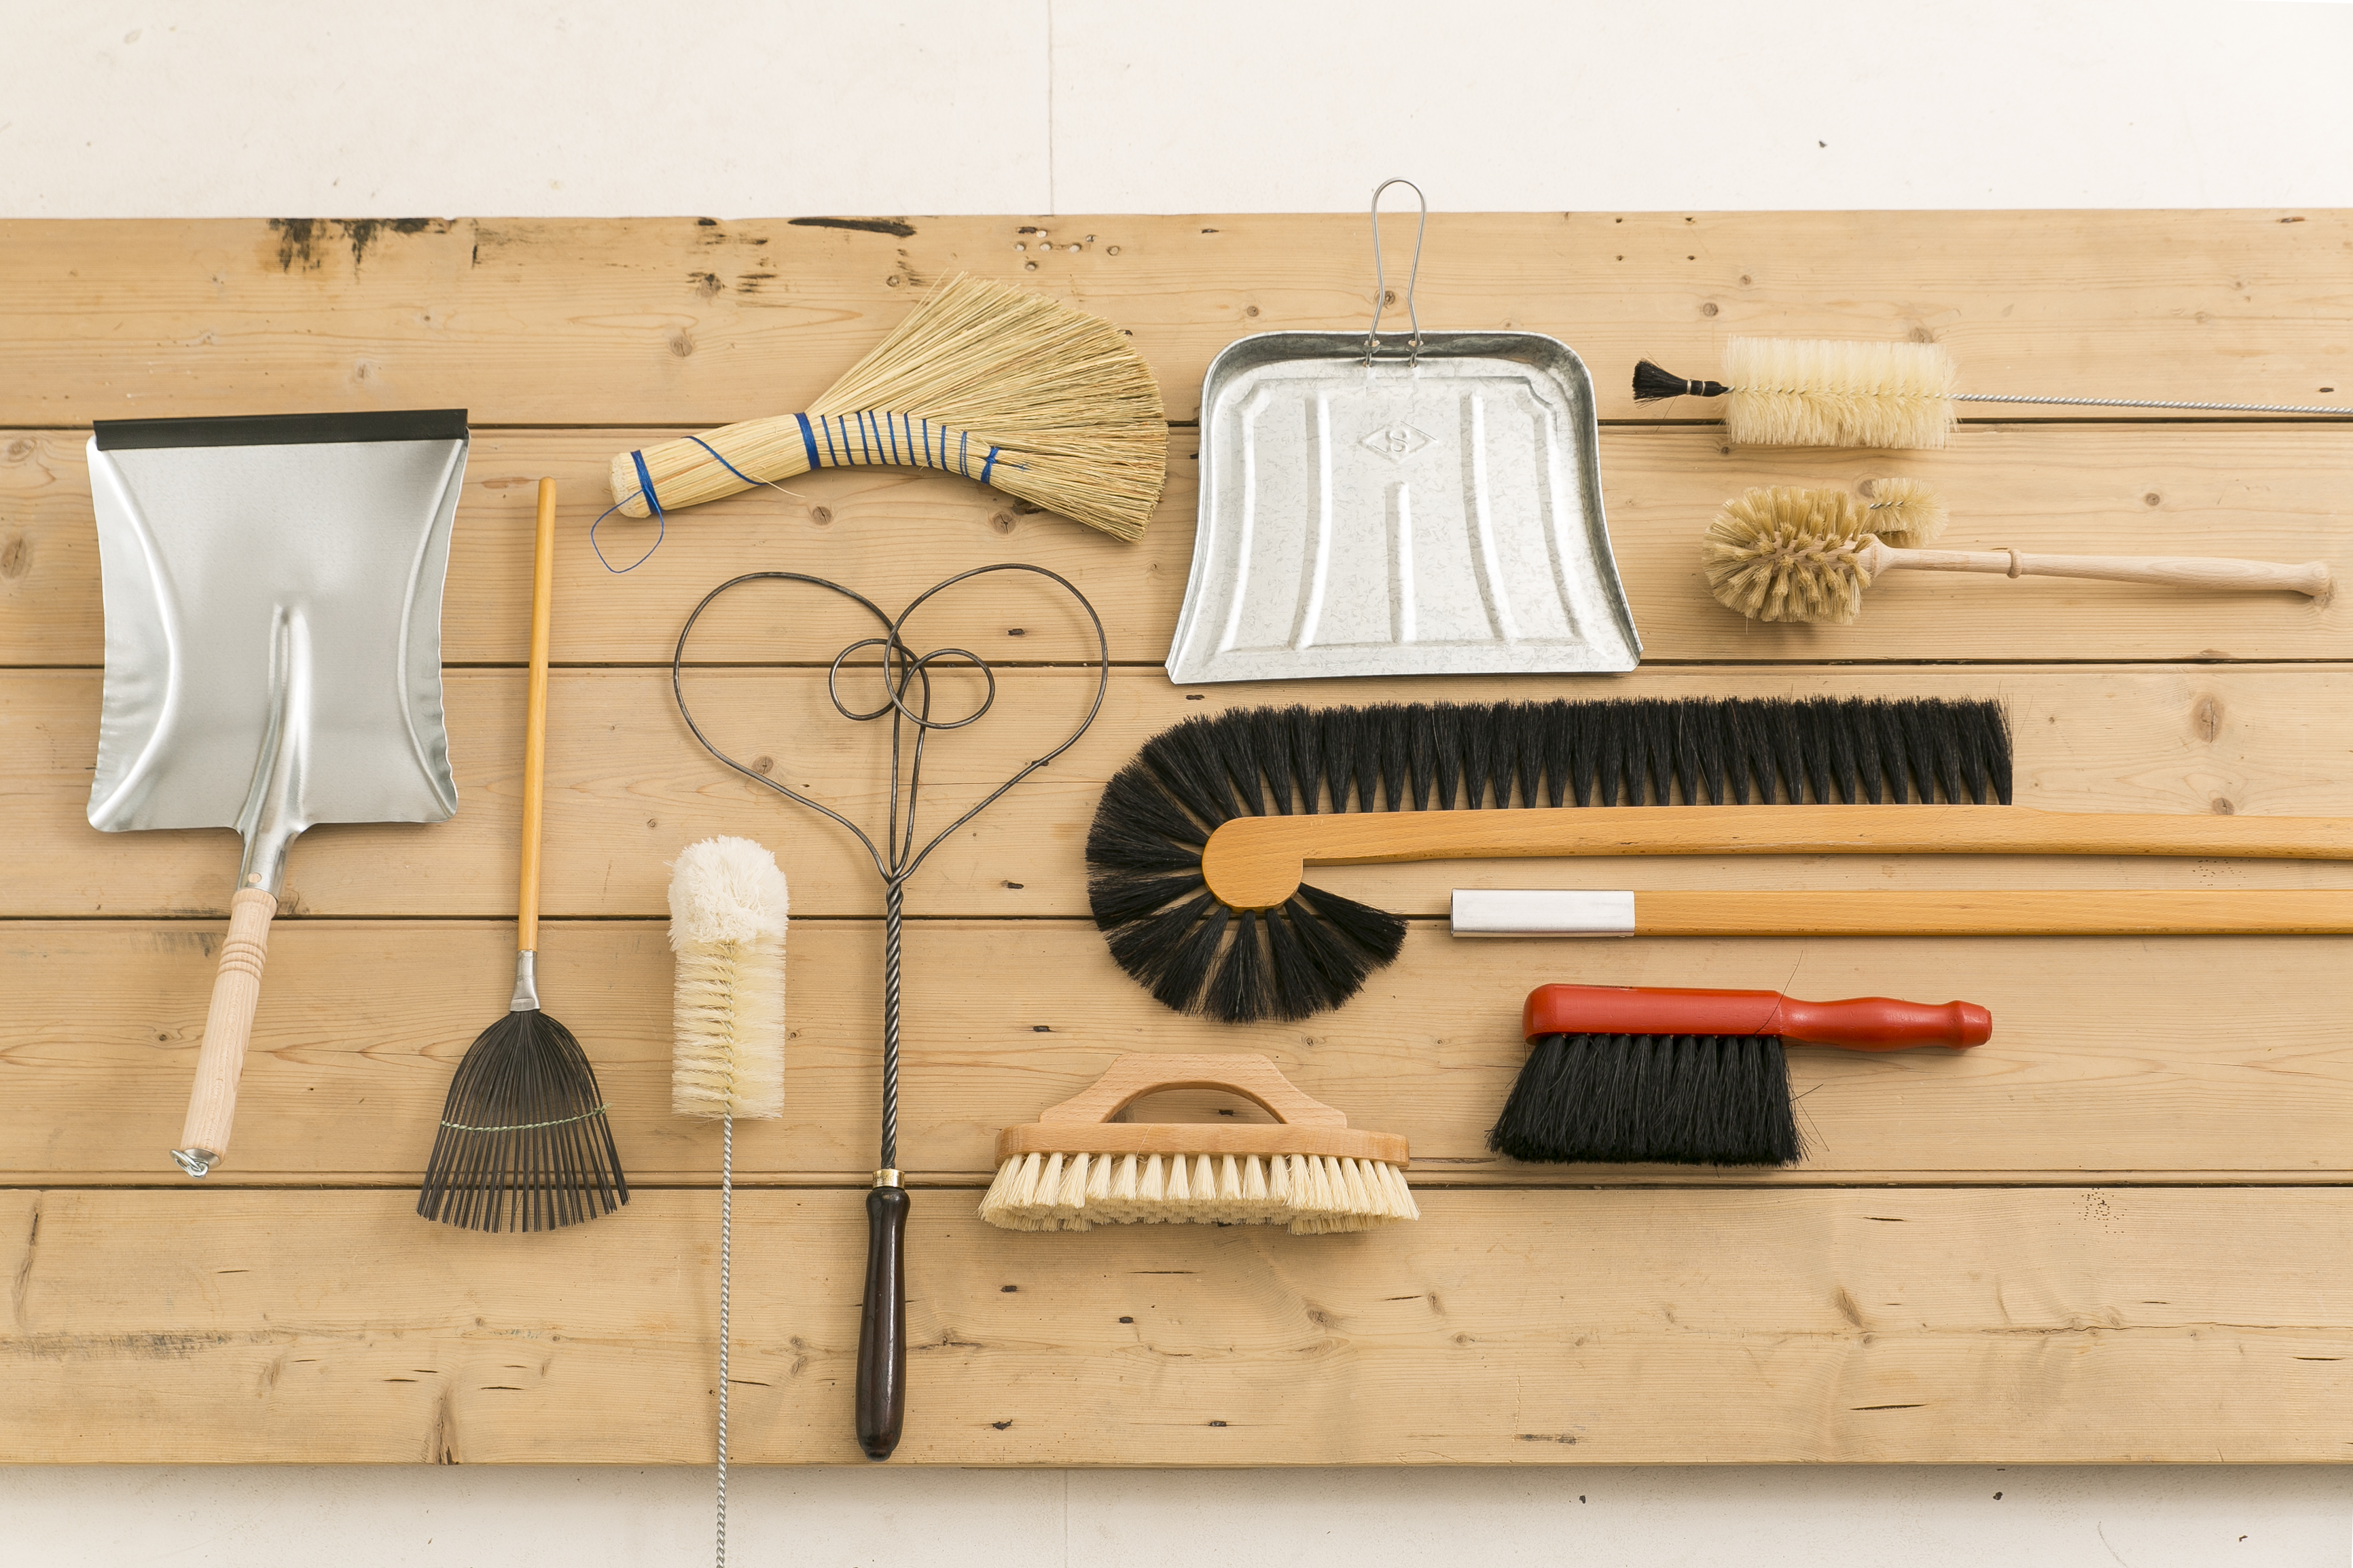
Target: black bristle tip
1678, 1099
523, 1142
1653, 384
1144, 849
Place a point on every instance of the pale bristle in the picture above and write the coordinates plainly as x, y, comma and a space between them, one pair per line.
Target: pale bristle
1904, 513
1796, 392
1312, 1195
1072, 411
1785, 553
728, 904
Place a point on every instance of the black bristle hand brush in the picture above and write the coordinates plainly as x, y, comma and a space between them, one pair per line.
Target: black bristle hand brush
523, 1144
1628, 1075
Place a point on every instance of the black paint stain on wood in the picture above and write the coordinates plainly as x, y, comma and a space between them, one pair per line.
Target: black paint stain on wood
304, 241
1563, 1438
1000, 1425
899, 226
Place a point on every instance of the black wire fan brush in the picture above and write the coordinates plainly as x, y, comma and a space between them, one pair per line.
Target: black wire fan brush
1303, 950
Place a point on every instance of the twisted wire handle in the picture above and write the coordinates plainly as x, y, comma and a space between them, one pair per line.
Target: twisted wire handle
2145, 403
726, 1261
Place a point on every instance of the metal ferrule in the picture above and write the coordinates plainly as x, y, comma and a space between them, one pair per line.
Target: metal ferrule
526, 991
197, 1162
888, 1179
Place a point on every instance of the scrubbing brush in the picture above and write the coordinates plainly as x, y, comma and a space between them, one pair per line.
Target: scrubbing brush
728, 904
1075, 1167
1689, 1078
1811, 392
1008, 387
1789, 553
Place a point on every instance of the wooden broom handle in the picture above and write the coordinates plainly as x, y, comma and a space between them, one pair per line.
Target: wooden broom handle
2181, 570
1885, 911
228, 1024
535, 743
1257, 862
1254, 1078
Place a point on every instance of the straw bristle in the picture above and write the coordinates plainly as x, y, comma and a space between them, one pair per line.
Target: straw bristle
728, 905
1783, 553
1038, 399
1796, 392
1904, 513
1312, 1195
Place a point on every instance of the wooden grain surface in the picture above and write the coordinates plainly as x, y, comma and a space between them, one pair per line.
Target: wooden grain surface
2114, 1232
1505, 1327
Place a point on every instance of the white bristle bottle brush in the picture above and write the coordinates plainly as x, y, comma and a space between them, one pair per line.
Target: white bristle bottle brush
727, 909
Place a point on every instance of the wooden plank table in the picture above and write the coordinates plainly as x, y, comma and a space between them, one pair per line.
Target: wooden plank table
2117, 1232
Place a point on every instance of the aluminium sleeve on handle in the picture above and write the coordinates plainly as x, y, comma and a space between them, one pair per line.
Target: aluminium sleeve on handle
228, 1024
1856, 1023
882, 1324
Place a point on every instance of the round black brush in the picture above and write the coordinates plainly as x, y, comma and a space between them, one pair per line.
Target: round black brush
1626, 1076
523, 1144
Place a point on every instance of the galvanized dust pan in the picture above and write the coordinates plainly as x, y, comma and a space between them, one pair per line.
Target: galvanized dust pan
1376, 507
274, 656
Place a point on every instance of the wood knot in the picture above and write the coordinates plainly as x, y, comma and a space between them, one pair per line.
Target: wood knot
16, 557
762, 764
681, 344
822, 516
1001, 520
2222, 806
2206, 718
1707, 308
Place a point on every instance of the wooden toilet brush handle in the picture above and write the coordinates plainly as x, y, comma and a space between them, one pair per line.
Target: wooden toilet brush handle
2181, 570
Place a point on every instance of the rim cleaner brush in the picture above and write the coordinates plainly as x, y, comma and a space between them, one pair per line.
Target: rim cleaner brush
1814, 392
728, 904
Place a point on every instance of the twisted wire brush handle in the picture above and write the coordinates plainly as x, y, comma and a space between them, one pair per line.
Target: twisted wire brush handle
882, 1320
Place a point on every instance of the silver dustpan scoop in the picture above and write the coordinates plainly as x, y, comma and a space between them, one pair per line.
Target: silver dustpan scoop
1431, 510
274, 656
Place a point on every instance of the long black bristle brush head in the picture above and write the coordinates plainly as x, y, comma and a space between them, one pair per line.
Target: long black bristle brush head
523, 1142
1653, 384
1165, 928
1680, 1100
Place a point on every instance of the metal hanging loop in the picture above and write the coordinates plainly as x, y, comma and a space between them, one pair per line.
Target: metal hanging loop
1381, 284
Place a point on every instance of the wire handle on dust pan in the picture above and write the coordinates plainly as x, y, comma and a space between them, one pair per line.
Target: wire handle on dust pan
1381, 284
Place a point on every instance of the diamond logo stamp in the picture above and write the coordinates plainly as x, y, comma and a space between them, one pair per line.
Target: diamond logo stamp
1397, 442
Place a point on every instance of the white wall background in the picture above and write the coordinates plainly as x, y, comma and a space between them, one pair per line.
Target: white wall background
741, 108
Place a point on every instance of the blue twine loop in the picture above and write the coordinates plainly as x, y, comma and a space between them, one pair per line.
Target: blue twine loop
653, 504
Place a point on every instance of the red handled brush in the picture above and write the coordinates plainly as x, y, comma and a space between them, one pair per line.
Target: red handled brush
1623, 1075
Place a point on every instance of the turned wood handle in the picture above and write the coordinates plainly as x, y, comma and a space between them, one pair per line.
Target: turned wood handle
1256, 862
535, 743
882, 1325
2181, 570
1254, 1078
1856, 1023
229, 1023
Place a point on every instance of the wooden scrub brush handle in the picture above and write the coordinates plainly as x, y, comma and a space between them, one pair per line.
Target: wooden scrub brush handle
1857, 1023
2180, 570
1257, 862
1082, 1123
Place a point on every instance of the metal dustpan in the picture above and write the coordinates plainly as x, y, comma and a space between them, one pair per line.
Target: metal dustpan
274, 656
1371, 507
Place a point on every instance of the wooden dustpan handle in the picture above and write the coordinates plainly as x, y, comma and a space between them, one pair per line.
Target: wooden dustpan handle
229, 1023
1254, 1078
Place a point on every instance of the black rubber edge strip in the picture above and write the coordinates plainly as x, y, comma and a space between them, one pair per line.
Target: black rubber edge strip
280, 429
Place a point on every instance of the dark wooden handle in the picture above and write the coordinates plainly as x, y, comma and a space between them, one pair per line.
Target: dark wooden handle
883, 1326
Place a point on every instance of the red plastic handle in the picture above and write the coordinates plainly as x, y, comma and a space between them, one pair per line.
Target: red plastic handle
1859, 1024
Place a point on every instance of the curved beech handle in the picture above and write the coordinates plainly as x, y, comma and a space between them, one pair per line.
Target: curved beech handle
1256, 862
1252, 1077
2180, 570
229, 1023
1858, 1024
882, 1325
